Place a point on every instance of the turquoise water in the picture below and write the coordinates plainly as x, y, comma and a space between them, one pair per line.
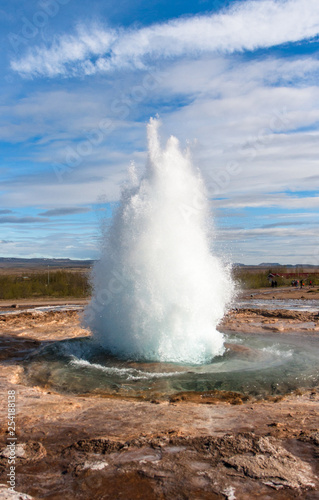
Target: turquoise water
302, 305
255, 365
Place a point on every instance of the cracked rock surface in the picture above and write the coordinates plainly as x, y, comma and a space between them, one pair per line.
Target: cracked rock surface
89, 447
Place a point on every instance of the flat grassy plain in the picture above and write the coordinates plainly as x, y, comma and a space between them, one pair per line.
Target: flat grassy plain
253, 278
37, 282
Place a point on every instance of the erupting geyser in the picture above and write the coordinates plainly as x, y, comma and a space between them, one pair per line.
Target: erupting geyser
158, 291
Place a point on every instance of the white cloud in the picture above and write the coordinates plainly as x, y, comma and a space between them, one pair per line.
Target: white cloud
64, 211
11, 219
58, 244
255, 245
281, 200
238, 116
245, 26
231, 107
232, 75
261, 113
65, 50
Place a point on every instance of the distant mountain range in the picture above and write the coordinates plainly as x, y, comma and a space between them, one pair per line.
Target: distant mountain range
40, 262
270, 265
8, 262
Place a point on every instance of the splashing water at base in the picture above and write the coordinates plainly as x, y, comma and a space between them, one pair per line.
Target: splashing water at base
252, 365
159, 292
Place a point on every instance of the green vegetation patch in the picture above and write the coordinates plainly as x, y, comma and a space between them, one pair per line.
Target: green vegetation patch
259, 279
45, 284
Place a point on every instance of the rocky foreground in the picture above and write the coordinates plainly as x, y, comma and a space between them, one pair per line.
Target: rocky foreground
192, 446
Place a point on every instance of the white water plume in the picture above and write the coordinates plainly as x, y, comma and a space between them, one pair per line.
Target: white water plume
158, 291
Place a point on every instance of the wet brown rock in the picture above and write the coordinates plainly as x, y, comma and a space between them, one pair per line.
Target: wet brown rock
5, 494
204, 445
260, 320
241, 350
98, 445
310, 437
209, 397
29, 451
274, 465
168, 458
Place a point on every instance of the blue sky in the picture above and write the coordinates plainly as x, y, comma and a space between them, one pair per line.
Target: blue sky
237, 80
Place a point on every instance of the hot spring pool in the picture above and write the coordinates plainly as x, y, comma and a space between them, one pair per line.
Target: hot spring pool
253, 365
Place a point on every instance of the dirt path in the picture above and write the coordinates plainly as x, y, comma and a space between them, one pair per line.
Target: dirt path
284, 293
41, 302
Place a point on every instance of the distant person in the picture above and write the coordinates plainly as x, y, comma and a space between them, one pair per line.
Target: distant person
301, 284
276, 284
310, 283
